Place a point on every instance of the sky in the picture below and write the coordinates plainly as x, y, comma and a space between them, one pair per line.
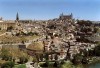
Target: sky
49, 9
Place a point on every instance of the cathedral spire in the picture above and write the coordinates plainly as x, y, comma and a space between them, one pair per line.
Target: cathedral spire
62, 14
17, 17
71, 15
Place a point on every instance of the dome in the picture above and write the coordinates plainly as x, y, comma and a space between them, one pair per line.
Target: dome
36, 46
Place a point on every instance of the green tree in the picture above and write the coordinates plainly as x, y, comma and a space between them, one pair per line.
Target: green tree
23, 60
67, 64
22, 66
9, 64
77, 59
97, 50
9, 28
79, 66
5, 54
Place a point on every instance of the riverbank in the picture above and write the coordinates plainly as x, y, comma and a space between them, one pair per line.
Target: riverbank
94, 60
93, 65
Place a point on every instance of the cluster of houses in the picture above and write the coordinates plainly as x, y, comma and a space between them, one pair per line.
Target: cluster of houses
58, 37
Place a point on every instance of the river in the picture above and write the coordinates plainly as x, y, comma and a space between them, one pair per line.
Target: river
95, 65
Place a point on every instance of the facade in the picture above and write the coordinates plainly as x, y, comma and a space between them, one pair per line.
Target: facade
64, 17
5, 24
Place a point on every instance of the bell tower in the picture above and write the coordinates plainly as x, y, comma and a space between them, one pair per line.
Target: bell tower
17, 17
17, 20
71, 15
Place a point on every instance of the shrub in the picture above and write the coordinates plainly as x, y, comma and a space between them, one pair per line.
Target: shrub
46, 64
55, 64
67, 64
22, 66
5, 55
9, 64
23, 60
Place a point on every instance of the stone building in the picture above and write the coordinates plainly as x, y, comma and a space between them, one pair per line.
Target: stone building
4, 24
64, 17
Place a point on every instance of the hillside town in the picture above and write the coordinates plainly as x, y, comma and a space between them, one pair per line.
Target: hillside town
34, 42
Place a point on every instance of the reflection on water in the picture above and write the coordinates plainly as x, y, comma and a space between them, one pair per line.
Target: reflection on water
95, 65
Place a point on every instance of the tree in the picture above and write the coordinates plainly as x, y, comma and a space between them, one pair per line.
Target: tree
17, 34
9, 28
84, 60
5, 54
10, 53
97, 50
67, 64
46, 64
34, 59
23, 57
77, 59
23, 60
96, 29
83, 22
79, 66
56, 64
9, 64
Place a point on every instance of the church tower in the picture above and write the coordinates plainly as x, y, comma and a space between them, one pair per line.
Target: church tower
17, 17
71, 15
17, 20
